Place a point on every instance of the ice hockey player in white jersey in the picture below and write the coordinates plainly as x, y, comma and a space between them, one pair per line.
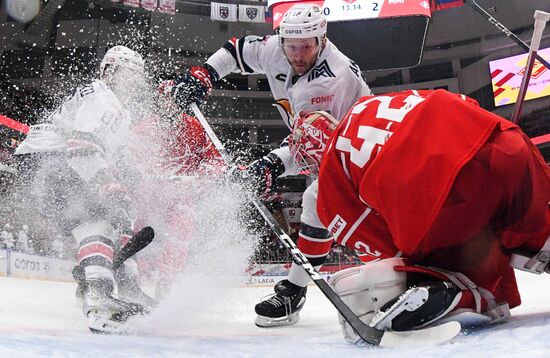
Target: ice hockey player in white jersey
84, 141
306, 72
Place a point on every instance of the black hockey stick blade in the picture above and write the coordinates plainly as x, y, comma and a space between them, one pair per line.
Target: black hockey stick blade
136, 244
369, 334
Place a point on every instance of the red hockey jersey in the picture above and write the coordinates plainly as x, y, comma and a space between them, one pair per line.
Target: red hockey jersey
396, 157
181, 148
391, 165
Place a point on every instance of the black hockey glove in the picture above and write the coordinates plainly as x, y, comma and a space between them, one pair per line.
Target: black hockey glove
260, 174
193, 86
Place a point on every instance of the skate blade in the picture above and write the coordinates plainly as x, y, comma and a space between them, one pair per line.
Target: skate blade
99, 322
267, 322
409, 301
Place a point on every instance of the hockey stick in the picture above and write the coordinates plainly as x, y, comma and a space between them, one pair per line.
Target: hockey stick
507, 32
541, 18
369, 334
137, 243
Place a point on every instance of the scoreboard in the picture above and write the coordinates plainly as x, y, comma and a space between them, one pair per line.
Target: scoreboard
376, 34
345, 10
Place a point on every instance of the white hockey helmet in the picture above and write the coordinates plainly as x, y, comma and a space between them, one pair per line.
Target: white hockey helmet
121, 56
304, 21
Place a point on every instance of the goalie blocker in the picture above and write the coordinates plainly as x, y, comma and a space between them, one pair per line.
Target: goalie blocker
391, 296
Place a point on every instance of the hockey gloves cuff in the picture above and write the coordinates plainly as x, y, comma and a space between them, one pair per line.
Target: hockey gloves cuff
193, 86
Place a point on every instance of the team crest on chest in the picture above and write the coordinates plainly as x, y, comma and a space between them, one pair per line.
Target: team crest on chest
321, 70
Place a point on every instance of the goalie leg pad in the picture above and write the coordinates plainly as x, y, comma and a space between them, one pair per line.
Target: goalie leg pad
365, 289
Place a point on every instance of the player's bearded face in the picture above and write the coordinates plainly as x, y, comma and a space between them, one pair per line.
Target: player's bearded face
125, 83
301, 53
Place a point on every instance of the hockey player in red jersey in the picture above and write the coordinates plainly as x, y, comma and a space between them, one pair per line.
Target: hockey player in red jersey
186, 155
439, 192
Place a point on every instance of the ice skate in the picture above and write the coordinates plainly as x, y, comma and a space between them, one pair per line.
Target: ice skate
106, 313
282, 308
417, 307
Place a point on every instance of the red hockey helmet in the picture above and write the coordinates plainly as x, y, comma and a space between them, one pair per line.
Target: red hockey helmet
309, 138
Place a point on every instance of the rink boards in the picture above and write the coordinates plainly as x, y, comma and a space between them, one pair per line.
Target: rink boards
22, 265
28, 266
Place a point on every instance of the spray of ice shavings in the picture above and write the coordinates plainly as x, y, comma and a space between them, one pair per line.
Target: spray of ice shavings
202, 246
217, 254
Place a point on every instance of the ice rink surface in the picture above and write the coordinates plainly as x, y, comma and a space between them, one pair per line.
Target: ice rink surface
44, 319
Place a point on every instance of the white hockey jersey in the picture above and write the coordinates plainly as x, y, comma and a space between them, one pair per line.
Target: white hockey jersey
91, 126
91, 114
334, 83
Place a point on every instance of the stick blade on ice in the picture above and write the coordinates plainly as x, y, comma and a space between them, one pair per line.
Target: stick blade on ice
421, 337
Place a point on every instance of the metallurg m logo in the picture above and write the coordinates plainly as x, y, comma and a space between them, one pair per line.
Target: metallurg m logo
321, 70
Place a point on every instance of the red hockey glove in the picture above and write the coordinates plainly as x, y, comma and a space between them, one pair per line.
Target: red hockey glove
193, 86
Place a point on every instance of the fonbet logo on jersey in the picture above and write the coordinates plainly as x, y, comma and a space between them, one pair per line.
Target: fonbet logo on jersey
322, 99
336, 226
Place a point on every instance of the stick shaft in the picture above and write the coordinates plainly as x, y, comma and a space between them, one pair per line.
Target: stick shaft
540, 23
505, 30
369, 334
213, 137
